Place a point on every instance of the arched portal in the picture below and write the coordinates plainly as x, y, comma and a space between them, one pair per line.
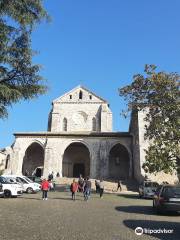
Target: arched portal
76, 160
119, 162
33, 160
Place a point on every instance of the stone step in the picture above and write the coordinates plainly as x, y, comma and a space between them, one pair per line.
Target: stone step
110, 185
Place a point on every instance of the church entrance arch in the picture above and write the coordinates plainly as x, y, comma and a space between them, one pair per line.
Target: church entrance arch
33, 160
76, 160
119, 162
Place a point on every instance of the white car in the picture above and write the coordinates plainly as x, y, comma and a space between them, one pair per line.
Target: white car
27, 184
10, 189
1, 190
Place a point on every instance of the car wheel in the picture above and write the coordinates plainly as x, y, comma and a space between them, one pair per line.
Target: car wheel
7, 193
29, 190
159, 210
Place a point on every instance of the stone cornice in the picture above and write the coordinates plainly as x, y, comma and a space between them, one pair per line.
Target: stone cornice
73, 134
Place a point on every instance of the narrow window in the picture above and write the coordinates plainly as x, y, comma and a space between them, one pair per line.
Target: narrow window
7, 161
65, 124
70, 96
94, 124
90, 97
80, 95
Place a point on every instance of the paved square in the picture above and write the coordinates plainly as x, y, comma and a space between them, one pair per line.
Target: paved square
59, 218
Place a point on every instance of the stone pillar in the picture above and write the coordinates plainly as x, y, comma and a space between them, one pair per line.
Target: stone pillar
17, 161
130, 166
93, 164
104, 160
47, 161
60, 161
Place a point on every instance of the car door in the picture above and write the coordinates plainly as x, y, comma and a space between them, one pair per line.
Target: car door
25, 185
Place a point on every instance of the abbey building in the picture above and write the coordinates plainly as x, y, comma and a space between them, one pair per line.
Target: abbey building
80, 140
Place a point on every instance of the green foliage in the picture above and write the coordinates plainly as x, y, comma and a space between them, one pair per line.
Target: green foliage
157, 93
19, 77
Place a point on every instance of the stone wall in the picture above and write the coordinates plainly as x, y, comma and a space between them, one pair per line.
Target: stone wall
55, 147
88, 113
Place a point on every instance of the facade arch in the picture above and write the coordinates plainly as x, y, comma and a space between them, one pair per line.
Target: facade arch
33, 160
76, 160
120, 161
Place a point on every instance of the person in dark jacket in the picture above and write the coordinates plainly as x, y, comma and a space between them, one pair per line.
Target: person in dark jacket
97, 186
119, 186
87, 189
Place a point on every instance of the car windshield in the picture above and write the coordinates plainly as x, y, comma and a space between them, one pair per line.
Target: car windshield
151, 184
21, 180
27, 179
3, 180
172, 191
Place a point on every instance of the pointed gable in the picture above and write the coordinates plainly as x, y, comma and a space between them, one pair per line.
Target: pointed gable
79, 94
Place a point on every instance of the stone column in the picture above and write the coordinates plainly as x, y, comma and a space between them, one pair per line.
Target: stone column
130, 166
17, 161
60, 160
47, 161
93, 164
104, 160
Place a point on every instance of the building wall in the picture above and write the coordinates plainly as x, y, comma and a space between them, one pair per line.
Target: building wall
80, 113
54, 149
140, 144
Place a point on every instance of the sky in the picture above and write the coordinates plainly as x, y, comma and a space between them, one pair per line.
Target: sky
99, 44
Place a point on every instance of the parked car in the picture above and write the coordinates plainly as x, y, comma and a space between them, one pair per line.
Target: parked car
1, 190
10, 189
167, 199
147, 189
27, 184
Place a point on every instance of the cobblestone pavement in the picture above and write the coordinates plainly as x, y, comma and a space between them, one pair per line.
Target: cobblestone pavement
59, 218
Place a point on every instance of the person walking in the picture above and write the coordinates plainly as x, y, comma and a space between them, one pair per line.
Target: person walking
74, 188
97, 186
119, 186
44, 187
101, 188
87, 189
80, 183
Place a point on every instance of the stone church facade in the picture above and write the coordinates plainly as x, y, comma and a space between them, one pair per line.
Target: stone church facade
80, 140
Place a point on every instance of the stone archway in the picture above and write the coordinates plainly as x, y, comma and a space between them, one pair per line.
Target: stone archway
33, 159
76, 160
119, 162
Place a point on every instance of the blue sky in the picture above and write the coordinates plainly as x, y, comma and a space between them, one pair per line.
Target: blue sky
100, 44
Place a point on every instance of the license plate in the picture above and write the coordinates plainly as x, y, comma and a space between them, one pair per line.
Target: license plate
174, 199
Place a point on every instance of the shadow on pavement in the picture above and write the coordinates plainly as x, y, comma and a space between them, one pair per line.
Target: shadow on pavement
132, 196
159, 229
147, 210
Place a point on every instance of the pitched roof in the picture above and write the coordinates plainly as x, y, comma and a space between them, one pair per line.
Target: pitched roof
79, 87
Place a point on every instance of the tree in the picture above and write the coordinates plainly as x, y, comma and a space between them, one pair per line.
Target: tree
158, 95
19, 77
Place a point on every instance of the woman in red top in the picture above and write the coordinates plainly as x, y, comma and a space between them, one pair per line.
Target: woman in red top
74, 188
44, 187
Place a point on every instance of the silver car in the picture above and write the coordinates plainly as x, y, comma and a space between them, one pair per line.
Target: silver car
147, 189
